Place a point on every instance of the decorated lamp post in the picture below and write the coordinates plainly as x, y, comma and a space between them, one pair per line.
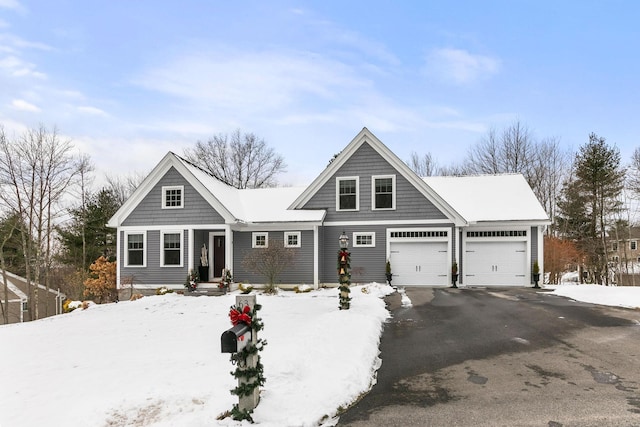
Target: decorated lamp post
344, 259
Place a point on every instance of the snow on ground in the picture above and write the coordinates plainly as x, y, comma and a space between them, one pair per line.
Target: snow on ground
618, 296
157, 361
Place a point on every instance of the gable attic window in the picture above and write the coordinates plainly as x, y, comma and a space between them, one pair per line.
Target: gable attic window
384, 192
134, 256
173, 197
347, 194
171, 253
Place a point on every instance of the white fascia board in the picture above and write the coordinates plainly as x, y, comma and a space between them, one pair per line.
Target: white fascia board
153, 178
366, 136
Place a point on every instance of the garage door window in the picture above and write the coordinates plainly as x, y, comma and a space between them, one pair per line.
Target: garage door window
497, 233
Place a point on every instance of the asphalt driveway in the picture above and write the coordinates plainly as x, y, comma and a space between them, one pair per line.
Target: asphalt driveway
503, 357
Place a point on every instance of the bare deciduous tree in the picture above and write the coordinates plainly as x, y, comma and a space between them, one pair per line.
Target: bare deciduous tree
123, 186
241, 160
269, 262
423, 166
35, 172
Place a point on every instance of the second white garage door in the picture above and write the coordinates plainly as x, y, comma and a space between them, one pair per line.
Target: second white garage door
419, 263
496, 263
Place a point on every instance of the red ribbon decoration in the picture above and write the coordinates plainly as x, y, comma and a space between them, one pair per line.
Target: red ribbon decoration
238, 316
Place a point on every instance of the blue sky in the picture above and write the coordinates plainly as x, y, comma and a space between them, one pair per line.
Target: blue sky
128, 81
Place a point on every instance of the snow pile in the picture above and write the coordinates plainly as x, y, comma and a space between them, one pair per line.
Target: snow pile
618, 296
157, 361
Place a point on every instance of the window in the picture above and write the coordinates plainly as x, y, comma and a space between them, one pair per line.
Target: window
171, 249
614, 246
384, 192
292, 239
347, 194
25, 306
367, 240
134, 256
173, 197
260, 240
633, 245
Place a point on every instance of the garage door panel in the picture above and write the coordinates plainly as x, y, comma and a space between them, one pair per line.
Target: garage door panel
419, 263
495, 263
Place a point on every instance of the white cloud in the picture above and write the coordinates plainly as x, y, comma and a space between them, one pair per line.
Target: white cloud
13, 5
22, 105
460, 66
92, 111
252, 81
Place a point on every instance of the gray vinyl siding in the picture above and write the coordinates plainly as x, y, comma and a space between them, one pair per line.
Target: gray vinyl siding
196, 209
300, 270
366, 162
153, 273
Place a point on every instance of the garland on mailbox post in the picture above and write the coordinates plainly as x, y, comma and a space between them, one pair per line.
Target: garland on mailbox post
253, 376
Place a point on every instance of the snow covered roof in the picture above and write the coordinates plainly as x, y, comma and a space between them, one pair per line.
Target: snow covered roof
484, 198
262, 205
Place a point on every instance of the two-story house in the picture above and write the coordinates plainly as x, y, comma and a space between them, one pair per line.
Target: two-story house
491, 226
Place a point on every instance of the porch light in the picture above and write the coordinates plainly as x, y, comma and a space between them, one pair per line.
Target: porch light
344, 241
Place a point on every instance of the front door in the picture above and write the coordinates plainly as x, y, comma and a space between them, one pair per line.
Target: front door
218, 255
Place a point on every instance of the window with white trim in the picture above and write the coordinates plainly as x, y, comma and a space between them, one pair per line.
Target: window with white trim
135, 251
364, 240
171, 251
259, 240
383, 189
292, 239
173, 197
347, 198
633, 245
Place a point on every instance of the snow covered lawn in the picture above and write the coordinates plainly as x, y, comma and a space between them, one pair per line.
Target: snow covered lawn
157, 361
618, 296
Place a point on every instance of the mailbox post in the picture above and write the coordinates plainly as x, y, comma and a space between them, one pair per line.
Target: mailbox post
234, 340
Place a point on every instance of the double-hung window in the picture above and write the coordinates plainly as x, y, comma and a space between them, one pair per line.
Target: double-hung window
347, 194
171, 249
135, 252
384, 192
173, 197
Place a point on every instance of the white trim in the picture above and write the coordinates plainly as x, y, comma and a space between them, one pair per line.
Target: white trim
388, 222
373, 192
144, 248
298, 240
166, 188
170, 227
316, 258
190, 250
162, 234
257, 234
347, 178
370, 234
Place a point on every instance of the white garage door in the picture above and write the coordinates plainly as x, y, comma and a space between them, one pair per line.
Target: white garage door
496, 263
419, 263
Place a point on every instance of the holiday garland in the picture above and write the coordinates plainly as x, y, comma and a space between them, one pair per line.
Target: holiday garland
344, 265
252, 376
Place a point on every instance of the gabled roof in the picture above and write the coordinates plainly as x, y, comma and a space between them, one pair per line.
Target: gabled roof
365, 136
234, 205
486, 198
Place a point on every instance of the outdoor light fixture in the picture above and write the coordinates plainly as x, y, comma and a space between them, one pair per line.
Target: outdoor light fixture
344, 241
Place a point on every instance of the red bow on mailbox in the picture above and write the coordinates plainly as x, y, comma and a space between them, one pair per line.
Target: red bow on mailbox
238, 316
